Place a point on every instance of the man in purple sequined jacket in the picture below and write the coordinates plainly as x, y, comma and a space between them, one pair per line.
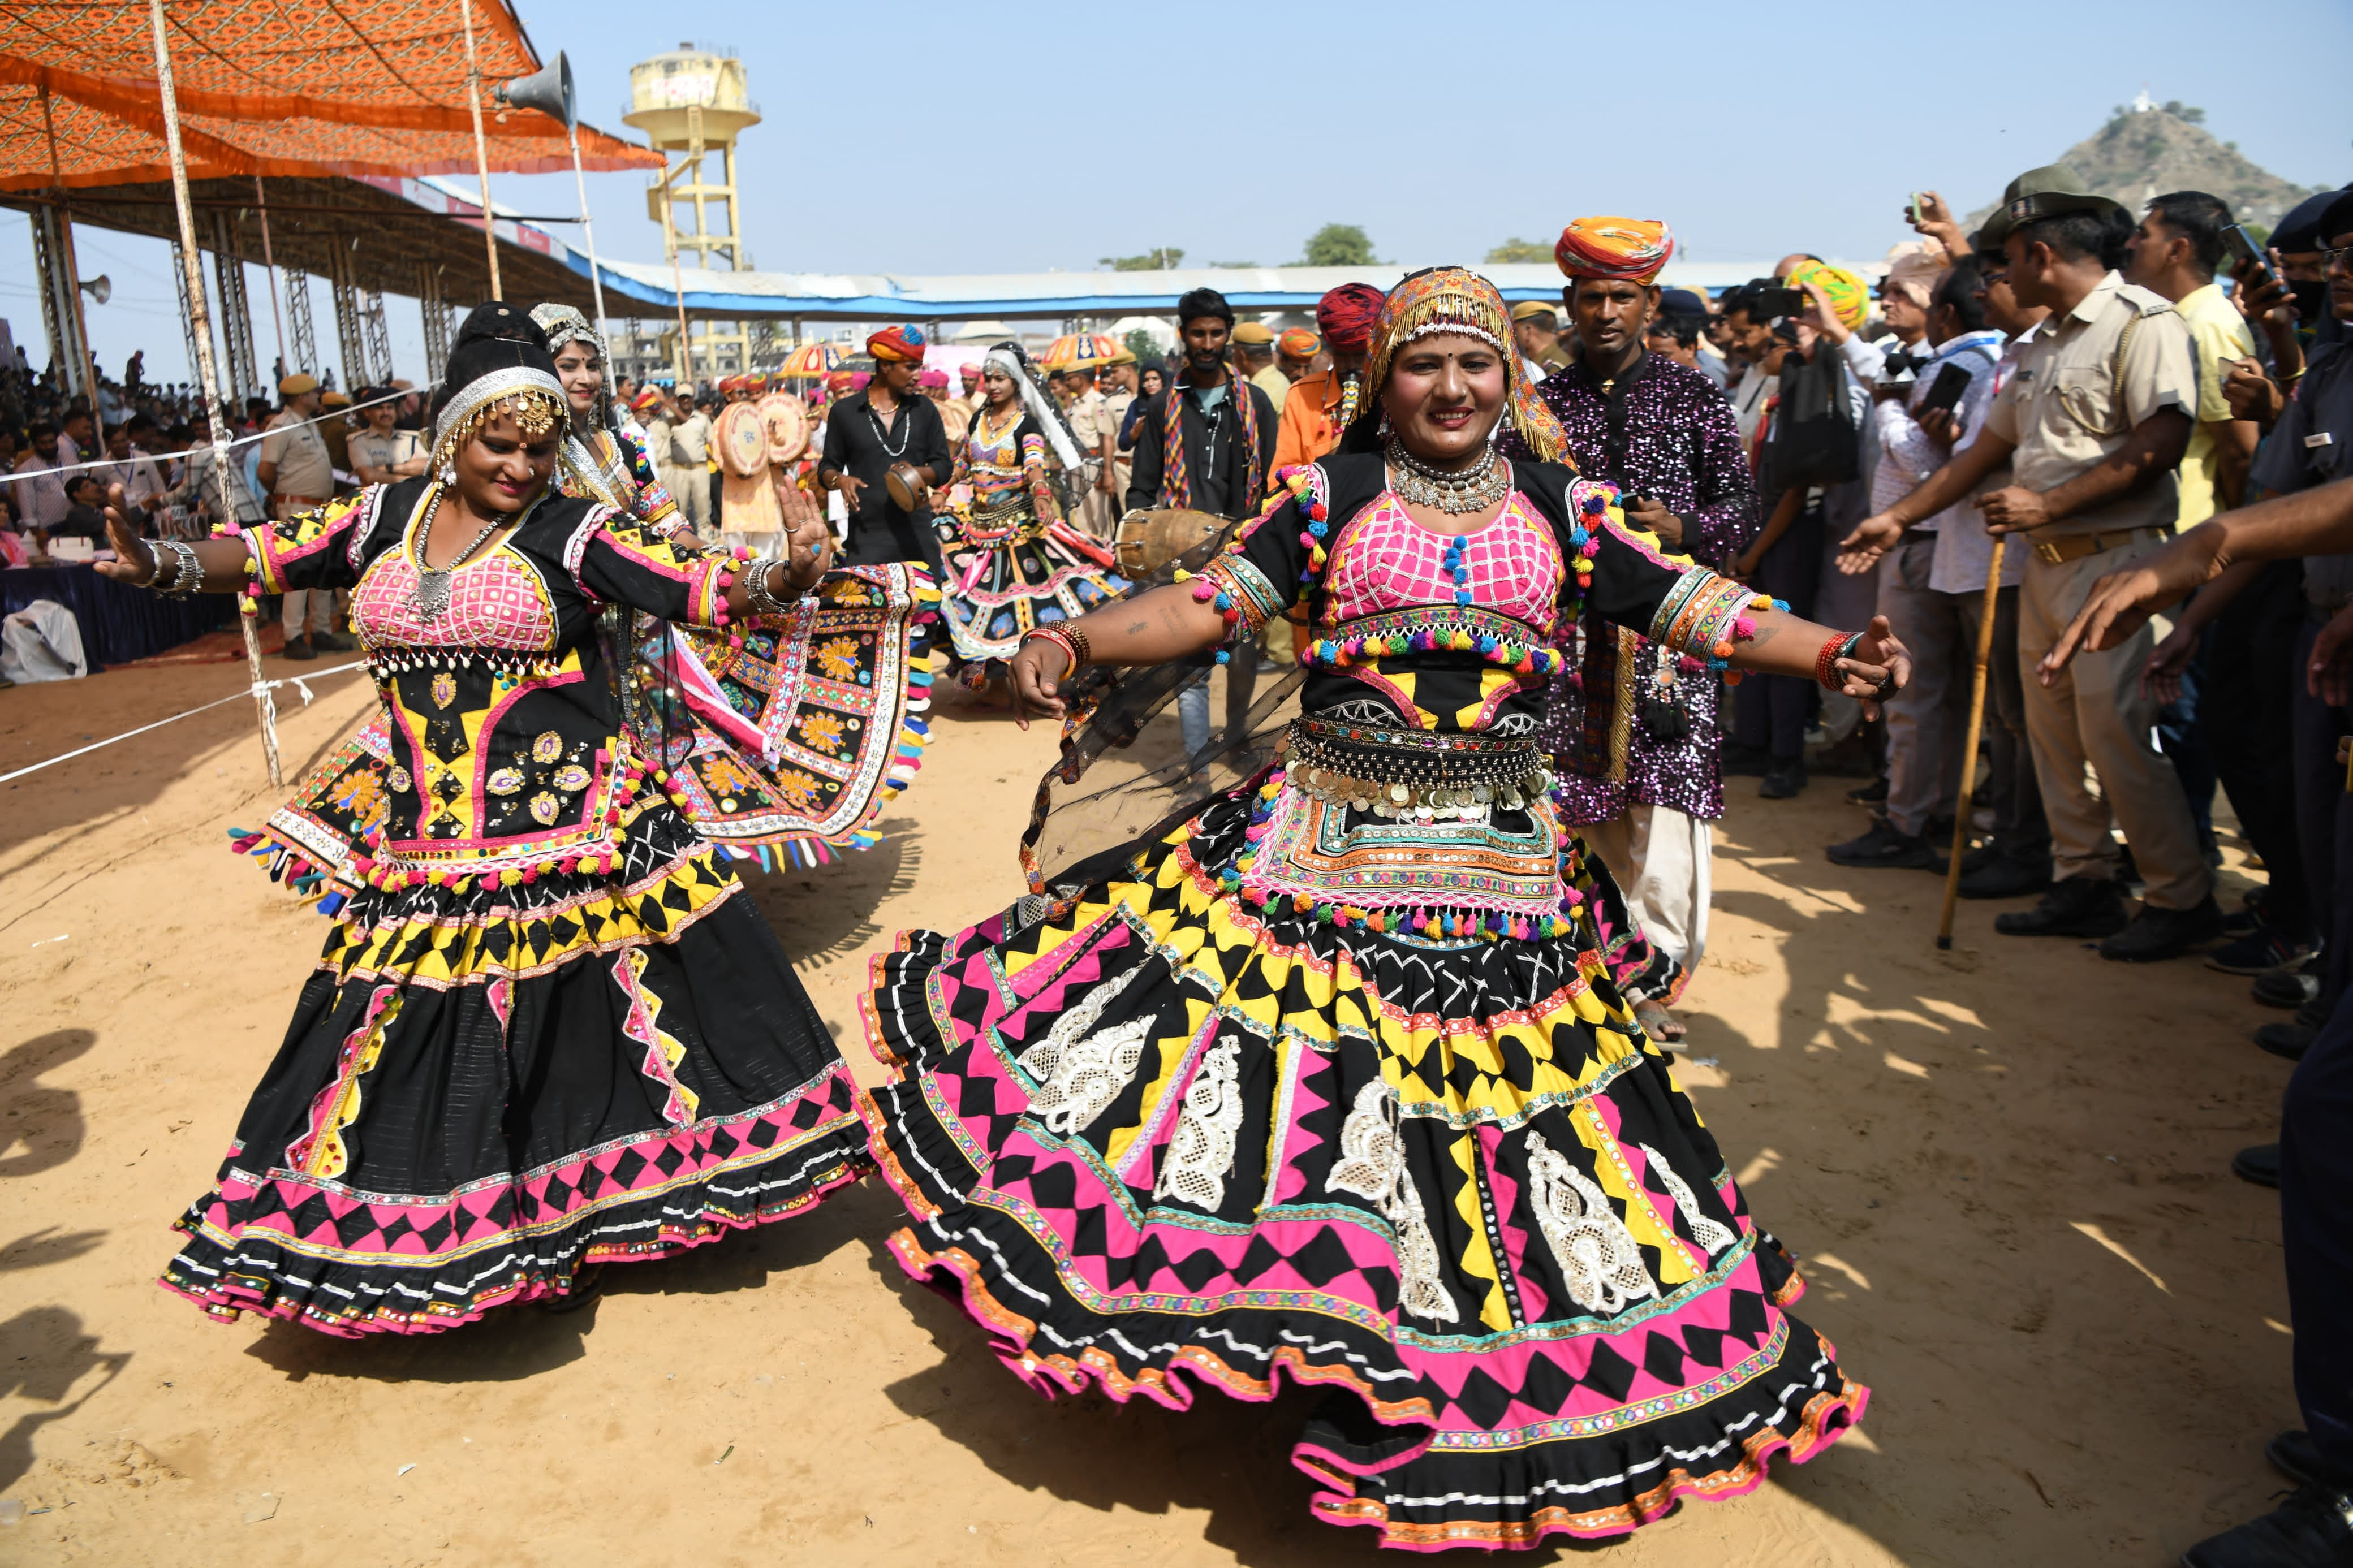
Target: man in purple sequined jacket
1638, 759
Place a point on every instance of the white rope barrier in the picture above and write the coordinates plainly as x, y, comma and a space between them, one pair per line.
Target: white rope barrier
260, 688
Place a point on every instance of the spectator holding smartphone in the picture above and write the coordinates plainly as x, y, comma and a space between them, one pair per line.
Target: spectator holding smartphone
2097, 416
1933, 585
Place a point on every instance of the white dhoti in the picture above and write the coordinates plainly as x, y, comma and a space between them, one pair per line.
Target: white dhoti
1660, 857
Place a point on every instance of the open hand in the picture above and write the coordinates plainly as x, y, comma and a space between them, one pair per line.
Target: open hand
1035, 674
134, 561
1878, 668
2121, 603
1873, 537
808, 548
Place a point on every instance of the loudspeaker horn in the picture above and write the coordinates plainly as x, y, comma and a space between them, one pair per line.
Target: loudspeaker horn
99, 288
547, 89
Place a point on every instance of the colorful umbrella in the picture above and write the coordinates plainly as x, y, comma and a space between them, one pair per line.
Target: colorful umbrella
811, 359
1083, 351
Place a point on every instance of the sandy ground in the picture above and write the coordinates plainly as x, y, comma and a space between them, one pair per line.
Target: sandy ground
2006, 1173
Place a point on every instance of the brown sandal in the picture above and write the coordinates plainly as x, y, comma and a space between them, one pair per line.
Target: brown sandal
1657, 1022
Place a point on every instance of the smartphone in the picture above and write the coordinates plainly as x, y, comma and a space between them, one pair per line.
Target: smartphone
1913, 211
1945, 391
1778, 303
2242, 247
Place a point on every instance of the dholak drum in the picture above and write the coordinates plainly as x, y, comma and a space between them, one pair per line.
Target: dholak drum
787, 423
906, 486
742, 441
1149, 538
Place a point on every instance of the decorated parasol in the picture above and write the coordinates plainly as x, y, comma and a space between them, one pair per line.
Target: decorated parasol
810, 359
1083, 351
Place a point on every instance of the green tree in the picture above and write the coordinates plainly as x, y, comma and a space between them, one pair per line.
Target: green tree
1157, 259
1140, 344
1338, 244
1514, 250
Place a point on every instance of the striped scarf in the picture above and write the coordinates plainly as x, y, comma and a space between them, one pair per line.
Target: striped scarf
1176, 480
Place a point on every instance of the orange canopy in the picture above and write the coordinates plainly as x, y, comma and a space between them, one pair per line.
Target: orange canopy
363, 87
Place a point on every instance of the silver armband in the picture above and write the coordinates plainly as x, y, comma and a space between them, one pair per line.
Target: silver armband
764, 600
186, 573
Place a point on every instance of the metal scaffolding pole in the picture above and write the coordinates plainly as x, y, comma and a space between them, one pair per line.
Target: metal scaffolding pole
298, 315
193, 280
236, 311
436, 319
349, 335
378, 336
68, 353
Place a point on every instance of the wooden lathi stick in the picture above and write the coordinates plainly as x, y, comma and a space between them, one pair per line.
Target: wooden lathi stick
1969, 746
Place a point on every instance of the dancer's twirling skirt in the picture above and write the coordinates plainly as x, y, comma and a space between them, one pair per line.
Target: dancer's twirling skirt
1006, 578
785, 741
1159, 1139
484, 1091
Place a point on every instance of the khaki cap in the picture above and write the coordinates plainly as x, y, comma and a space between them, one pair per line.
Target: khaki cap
1253, 332
2048, 192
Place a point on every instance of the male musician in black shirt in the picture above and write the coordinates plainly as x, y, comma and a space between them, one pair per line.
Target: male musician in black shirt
1224, 444
867, 434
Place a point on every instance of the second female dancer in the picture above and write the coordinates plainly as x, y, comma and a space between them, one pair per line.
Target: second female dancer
547, 1031
1013, 563
1328, 1082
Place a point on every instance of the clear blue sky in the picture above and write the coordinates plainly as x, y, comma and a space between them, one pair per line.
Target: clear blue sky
1046, 135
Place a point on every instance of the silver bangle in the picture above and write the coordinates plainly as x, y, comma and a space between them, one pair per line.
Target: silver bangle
764, 600
187, 572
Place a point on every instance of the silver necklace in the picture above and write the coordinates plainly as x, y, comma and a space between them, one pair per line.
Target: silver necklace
881, 437
1475, 489
431, 595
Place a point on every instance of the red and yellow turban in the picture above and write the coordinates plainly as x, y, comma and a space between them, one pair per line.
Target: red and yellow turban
841, 381
1850, 296
1346, 315
1633, 249
901, 342
1298, 342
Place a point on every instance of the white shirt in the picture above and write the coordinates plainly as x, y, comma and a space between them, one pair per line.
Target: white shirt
40, 493
1964, 548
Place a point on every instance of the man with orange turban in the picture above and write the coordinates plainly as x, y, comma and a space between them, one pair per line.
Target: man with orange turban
1643, 785
1321, 404
868, 431
1633, 248
1296, 351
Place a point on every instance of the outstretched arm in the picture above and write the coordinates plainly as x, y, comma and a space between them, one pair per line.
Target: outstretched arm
223, 565
2312, 522
1160, 626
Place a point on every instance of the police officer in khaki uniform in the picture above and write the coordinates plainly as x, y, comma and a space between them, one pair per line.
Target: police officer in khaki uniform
1090, 421
2093, 421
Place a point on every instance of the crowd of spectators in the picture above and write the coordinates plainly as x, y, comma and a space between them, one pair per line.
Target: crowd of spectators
2075, 384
